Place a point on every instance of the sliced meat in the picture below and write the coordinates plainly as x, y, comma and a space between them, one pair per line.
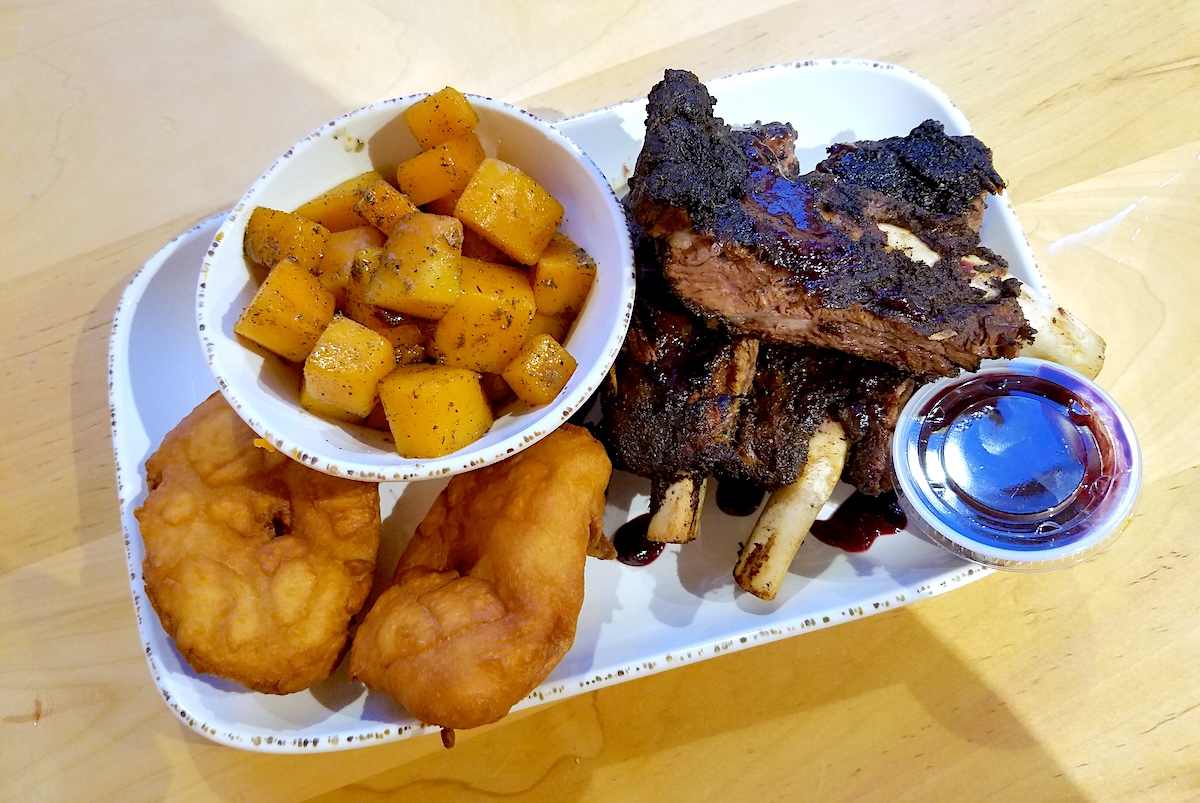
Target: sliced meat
803, 259
690, 399
942, 174
769, 302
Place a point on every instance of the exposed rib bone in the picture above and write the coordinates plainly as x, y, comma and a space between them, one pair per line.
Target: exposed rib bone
789, 513
676, 520
1061, 337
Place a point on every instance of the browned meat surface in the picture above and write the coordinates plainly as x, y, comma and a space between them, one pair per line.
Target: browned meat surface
944, 175
802, 259
770, 301
690, 399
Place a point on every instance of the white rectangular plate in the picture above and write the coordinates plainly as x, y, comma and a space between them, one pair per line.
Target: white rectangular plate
684, 607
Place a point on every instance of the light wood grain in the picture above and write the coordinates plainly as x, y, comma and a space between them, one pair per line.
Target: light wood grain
126, 123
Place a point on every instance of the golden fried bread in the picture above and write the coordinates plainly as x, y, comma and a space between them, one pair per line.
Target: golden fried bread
254, 563
487, 594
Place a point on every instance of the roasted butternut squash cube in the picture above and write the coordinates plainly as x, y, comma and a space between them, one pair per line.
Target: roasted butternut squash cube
354, 301
289, 311
440, 117
442, 170
496, 389
346, 364
325, 409
273, 236
434, 410
402, 331
340, 249
540, 371
383, 205
485, 328
562, 277
551, 325
377, 420
334, 208
407, 334
410, 353
419, 274
475, 247
511, 210
443, 205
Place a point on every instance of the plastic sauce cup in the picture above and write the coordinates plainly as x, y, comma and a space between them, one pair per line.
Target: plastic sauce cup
1025, 465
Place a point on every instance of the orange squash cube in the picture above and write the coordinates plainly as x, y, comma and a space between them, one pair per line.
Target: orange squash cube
440, 171
434, 410
540, 371
324, 409
288, 313
442, 206
511, 210
485, 328
562, 277
496, 389
551, 325
420, 271
340, 249
377, 420
345, 366
273, 236
408, 335
334, 208
475, 247
354, 300
440, 117
403, 332
383, 206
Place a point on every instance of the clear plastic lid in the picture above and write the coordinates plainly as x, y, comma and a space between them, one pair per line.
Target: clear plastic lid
1024, 465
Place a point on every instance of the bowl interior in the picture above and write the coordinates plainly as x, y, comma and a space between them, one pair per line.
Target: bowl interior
265, 388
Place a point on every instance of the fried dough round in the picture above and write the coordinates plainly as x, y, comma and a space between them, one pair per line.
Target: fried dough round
254, 563
487, 594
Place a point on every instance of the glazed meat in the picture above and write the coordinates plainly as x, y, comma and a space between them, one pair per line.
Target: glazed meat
875, 253
770, 302
944, 175
687, 399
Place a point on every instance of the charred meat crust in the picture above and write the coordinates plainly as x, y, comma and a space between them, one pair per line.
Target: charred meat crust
801, 259
769, 302
942, 174
681, 164
687, 398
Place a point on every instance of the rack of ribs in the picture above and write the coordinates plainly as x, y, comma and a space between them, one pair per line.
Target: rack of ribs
771, 302
832, 257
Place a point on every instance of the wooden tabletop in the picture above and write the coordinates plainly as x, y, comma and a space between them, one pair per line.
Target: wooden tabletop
125, 124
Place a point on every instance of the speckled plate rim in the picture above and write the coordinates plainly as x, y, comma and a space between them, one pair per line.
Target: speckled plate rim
681, 609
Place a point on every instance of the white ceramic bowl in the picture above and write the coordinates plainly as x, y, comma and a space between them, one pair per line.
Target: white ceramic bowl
264, 389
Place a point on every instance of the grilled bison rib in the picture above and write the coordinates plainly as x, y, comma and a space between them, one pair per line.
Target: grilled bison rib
673, 405
802, 259
945, 175
688, 400
770, 303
